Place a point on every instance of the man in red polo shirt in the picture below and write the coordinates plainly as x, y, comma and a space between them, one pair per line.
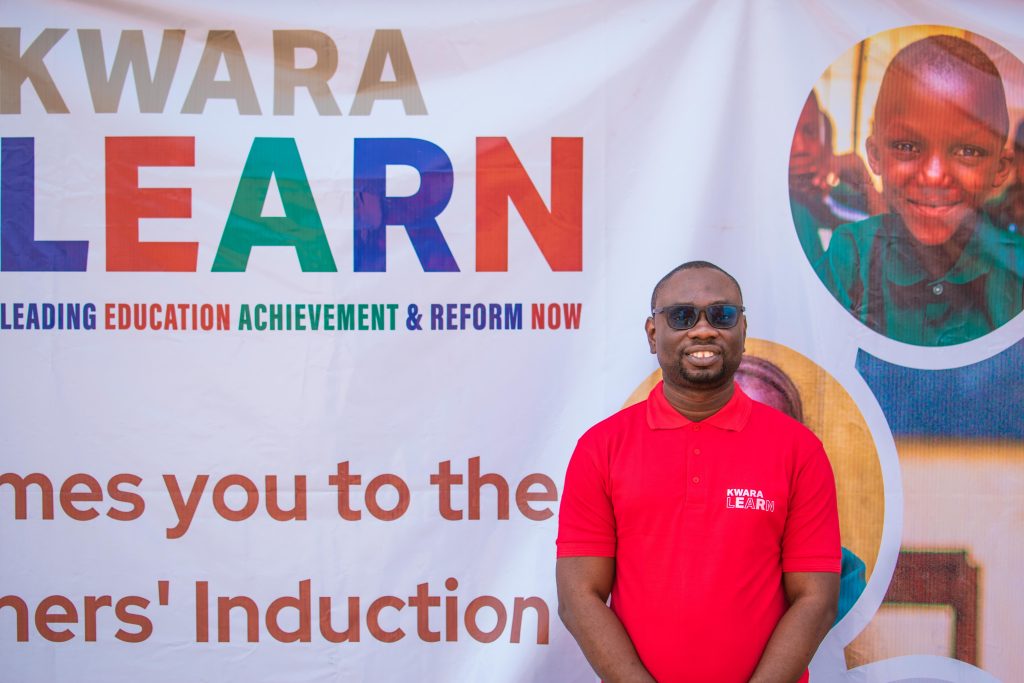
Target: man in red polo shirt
709, 518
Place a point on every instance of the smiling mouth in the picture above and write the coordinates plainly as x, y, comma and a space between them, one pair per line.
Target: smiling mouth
933, 207
703, 357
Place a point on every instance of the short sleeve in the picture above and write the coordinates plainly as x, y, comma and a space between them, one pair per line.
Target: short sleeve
810, 542
586, 521
839, 268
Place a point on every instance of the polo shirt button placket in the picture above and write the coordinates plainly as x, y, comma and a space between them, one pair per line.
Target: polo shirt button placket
937, 289
696, 468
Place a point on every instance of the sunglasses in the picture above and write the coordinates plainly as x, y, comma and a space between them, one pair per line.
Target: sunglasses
685, 316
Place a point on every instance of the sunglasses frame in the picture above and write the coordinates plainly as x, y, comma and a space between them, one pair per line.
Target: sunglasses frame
701, 310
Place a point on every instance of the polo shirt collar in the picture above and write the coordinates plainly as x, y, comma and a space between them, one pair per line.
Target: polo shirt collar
903, 267
661, 415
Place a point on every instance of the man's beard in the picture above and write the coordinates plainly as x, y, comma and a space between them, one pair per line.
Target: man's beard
707, 377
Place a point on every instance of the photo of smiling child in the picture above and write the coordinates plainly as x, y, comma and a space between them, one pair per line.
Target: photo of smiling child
933, 270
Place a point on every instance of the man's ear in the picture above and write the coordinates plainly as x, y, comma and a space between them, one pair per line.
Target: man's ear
649, 327
873, 161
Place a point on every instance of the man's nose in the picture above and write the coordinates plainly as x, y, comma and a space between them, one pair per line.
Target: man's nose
702, 328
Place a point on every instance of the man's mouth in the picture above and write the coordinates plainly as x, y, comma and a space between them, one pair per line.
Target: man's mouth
702, 357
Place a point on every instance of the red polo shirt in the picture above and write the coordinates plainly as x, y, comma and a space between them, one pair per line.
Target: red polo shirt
702, 518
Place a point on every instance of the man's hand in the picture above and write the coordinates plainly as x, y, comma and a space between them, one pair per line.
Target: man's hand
813, 602
583, 587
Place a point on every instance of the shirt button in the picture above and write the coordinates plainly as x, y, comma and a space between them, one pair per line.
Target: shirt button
696, 451
937, 289
696, 428
696, 480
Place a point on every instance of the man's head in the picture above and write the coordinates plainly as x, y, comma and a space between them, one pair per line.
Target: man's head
939, 133
811, 152
703, 356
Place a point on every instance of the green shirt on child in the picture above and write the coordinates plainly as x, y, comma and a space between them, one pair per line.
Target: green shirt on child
873, 269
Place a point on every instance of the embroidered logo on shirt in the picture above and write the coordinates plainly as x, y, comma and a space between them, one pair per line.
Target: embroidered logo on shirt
748, 499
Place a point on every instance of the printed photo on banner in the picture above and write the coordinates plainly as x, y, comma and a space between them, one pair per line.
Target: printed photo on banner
906, 181
960, 442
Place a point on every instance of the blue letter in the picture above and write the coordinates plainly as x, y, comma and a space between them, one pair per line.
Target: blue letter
374, 211
19, 249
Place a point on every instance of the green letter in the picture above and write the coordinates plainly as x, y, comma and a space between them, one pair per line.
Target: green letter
300, 227
245, 318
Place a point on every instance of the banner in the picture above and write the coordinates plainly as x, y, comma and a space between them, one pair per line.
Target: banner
303, 308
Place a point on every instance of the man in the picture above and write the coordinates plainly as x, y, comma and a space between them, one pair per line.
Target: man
710, 519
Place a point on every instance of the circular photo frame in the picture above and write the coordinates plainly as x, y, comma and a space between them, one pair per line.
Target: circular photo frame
906, 181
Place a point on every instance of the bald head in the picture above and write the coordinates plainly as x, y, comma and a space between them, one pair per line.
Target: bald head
690, 265
949, 70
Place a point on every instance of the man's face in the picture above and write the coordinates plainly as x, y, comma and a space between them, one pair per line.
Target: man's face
938, 158
702, 357
807, 156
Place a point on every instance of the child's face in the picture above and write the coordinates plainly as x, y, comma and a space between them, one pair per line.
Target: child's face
807, 157
937, 157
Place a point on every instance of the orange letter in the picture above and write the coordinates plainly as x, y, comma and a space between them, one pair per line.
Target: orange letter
127, 203
500, 177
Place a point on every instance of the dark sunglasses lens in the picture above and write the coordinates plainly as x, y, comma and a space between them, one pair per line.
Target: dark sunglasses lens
723, 315
681, 317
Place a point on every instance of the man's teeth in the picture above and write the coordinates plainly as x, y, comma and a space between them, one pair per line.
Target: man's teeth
702, 354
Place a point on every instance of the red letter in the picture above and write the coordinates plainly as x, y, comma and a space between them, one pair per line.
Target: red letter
474, 608
374, 508
500, 176
252, 618
477, 482
351, 634
444, 480
373, 619
252, 497
68, 497
69, 615
343, 480
127, 203
137, 502
524, 496
301, 605
541, 608
92, 606
143, 623
21, 611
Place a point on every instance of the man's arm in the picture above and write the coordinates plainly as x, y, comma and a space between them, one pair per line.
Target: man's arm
813, 601
583, 587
